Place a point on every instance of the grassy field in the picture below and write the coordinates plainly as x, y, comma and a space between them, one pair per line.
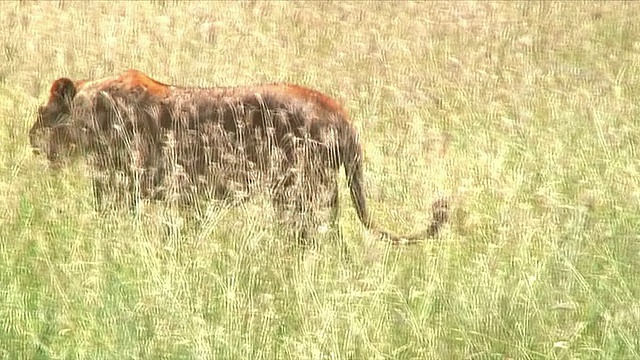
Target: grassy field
524, 113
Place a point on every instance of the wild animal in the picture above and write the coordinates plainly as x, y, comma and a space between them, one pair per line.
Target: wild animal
221, 139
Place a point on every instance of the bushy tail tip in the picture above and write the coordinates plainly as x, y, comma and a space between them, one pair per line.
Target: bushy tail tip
440, 210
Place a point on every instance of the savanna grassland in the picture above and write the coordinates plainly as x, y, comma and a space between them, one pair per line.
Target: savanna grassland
524, 113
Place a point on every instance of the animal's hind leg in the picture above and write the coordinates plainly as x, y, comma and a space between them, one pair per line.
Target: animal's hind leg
318, 192
282, 202
98, 194
334, 203
292, 210
304, 216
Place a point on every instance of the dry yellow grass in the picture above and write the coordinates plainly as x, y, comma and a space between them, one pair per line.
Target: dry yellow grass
524, 112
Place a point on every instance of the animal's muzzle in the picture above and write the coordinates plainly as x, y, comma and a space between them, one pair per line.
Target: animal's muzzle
33, 140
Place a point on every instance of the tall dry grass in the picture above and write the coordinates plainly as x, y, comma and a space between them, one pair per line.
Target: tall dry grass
524, 112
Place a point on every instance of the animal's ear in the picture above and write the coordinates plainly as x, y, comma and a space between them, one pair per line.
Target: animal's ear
62, 89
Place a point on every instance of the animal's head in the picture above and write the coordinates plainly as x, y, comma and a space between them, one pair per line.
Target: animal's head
55, 112
64, 142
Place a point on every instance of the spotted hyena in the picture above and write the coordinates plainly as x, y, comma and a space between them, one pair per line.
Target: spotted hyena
223, 140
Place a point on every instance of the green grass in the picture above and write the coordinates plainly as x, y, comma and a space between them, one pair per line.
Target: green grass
538, 101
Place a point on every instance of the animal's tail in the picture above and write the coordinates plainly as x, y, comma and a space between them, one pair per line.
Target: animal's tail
351, 153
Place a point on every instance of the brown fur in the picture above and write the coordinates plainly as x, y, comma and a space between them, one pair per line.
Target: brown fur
288, 136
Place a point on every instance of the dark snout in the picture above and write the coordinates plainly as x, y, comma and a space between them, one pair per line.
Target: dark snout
33, 141
33, 138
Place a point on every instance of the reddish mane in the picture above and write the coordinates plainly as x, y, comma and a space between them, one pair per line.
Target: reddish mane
133, 78
313, 96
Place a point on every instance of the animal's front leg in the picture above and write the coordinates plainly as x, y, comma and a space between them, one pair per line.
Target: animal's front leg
98, 194
135, 191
